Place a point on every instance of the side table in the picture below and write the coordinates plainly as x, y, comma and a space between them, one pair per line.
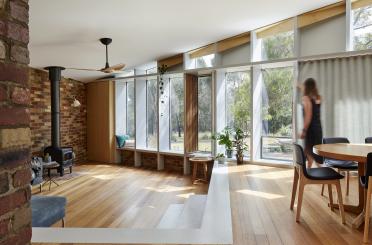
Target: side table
200, 161
49, 166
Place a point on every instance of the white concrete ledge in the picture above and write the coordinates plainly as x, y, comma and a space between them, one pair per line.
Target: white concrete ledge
216, 225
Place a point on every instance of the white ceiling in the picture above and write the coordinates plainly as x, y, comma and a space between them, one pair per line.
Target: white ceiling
66, 32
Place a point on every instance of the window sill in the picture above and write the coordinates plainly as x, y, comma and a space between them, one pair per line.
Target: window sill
149, 150
172, 153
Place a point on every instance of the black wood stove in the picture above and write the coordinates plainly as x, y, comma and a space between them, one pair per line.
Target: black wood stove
62, 155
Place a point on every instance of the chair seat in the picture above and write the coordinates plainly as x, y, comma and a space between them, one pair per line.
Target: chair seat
348, 165
47, 210
324, 173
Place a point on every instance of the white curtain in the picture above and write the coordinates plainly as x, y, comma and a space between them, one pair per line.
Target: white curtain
345, 85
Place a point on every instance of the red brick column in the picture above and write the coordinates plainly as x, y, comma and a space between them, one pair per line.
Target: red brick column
15, 175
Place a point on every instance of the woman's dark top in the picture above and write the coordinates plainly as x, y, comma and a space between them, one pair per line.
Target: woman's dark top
314, 133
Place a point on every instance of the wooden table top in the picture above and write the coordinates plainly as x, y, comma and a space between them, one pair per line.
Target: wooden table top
347, 152
201, 159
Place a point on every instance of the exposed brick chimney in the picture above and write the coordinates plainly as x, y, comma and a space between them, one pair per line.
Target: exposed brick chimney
15, 192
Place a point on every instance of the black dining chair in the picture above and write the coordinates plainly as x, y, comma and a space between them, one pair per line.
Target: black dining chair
368, 140
342, 166
365, 182
322, 175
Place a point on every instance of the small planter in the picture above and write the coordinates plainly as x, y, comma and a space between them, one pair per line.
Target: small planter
229, 153
221, 161
239, 159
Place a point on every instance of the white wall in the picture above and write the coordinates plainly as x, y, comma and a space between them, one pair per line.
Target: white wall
235, 56
323, 38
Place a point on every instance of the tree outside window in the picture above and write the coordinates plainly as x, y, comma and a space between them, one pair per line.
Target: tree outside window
276, 113
279, 46
362, 28
205, 113
238, 102
151, 114
176, 114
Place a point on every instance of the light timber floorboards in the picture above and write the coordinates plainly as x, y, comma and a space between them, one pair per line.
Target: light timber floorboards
115, 196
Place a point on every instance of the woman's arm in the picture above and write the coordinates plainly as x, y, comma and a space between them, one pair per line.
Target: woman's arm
308, 113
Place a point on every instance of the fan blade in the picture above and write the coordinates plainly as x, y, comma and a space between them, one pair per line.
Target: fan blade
113, 69
83, 69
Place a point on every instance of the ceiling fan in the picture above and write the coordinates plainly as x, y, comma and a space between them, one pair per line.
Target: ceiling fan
107, 69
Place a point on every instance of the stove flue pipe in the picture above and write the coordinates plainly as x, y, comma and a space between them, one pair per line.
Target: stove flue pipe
55, 78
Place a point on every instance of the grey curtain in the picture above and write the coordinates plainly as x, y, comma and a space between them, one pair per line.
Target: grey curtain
345, 85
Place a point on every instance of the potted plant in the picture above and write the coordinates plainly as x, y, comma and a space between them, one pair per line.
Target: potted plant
240, 145
220, 158
223, 138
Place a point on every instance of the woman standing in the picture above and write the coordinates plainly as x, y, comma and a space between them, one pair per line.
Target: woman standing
312, 131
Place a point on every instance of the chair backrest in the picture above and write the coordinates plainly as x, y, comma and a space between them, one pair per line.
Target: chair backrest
300, 158
364, 179
368, 140
369, 165
335, 140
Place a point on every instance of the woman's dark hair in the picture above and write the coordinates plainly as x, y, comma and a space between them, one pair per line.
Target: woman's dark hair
310, 88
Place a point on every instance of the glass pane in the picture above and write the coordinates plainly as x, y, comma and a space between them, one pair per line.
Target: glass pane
151, 114
204, 61
176, 114
362, 23
277, 113
238, 102
205, 113
130, 110
120, 108
279, 46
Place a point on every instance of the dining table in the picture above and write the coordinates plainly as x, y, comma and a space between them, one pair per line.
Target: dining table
349, 152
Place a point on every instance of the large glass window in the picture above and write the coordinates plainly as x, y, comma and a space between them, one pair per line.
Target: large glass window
176, 109
276, 113
362, 27
130, 110
125, 108
151, 113
279, 46
238, 103
276, 41
205, 113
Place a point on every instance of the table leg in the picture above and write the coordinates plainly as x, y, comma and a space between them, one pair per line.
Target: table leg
358, 221
194, 171
358, 209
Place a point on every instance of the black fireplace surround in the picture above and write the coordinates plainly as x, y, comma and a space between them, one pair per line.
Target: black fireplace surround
62, 155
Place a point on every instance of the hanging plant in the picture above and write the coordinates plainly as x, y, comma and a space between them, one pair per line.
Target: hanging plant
161, 70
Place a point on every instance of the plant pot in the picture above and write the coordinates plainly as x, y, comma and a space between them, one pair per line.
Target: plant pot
221, 161
229, 153
239, 159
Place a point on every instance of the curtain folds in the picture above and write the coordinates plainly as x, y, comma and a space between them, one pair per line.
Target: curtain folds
345, 85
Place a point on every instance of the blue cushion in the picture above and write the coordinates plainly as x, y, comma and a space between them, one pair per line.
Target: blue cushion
120, 139
340, 164
47, 210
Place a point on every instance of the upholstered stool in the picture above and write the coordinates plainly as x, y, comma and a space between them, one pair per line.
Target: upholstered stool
47, 210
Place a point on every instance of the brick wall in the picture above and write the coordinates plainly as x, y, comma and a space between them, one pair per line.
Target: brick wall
127, 158
149, 160
73, 119
15, 175
173, 163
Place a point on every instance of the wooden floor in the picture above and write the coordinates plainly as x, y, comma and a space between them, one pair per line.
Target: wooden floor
112, 196
260, 200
